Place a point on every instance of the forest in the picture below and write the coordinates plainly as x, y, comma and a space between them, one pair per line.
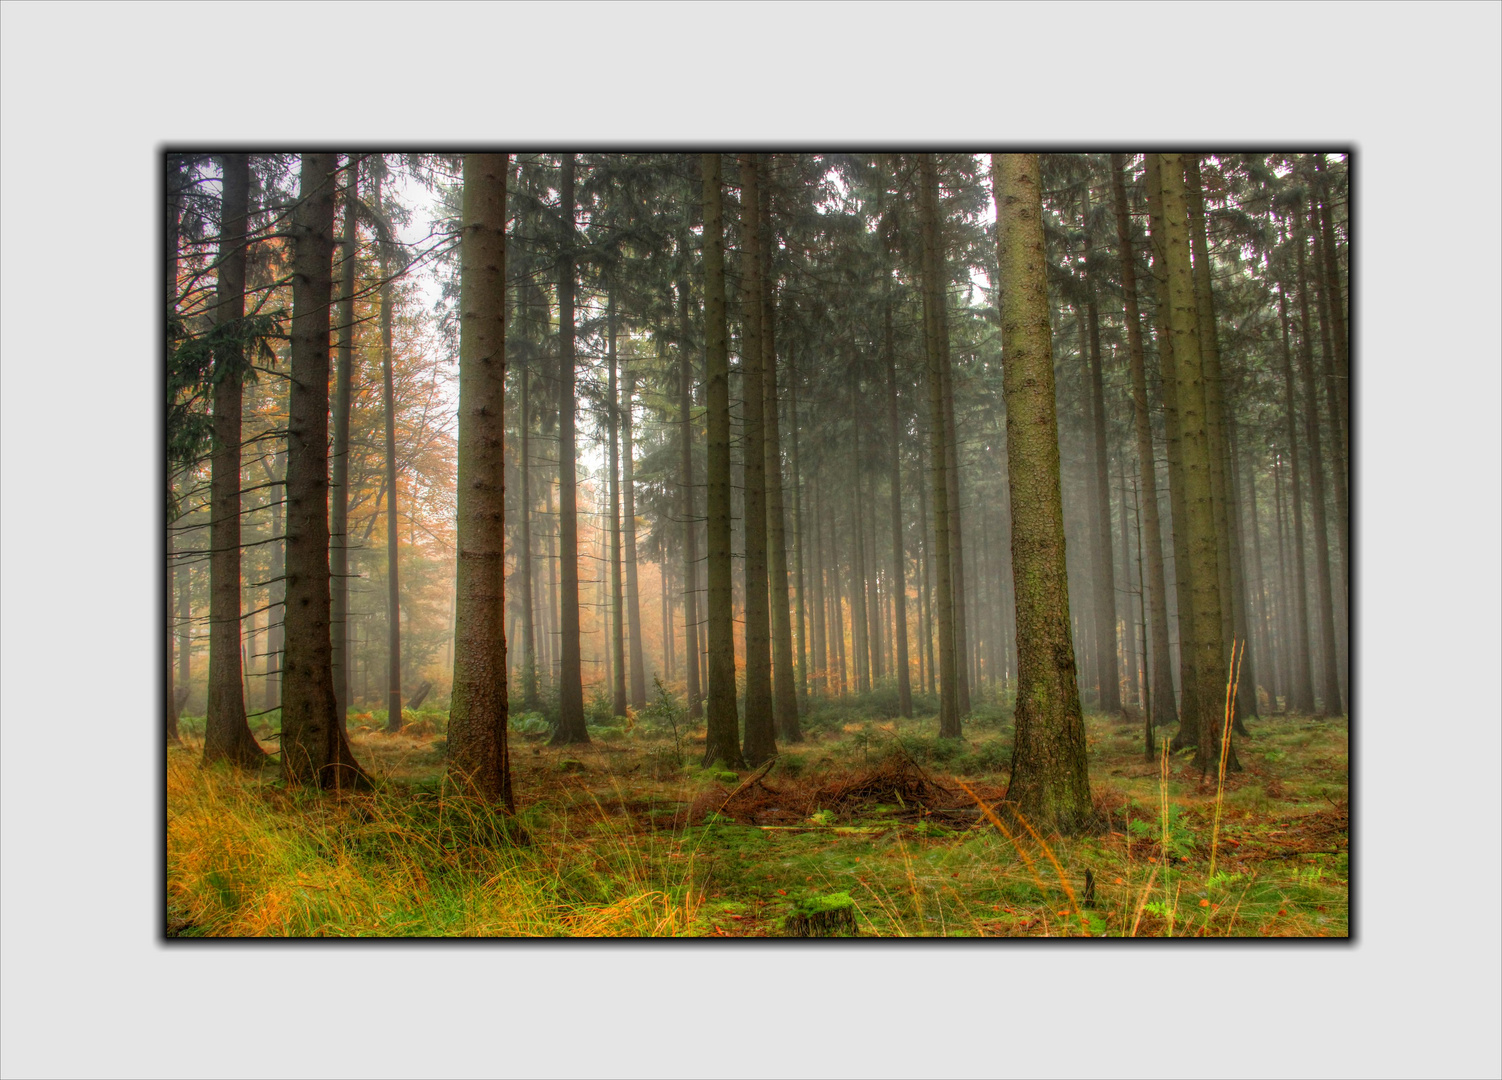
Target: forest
759, 545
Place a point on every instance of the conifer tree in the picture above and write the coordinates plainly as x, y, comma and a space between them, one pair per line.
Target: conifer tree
227, 735
1050, 782
314, 747
479, 758
721, 738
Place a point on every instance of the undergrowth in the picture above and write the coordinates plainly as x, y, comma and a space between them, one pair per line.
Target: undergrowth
627, 836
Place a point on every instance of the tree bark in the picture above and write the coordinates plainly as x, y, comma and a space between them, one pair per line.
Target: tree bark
1301, 692
933, 299
686, 499
571, 727
1050, 783
613, 461
637, 695
339, 486
760, 734
1227, 538
899, 555
227, 734
531, 693
1330, 697
721, 741
479, 758
784, 676
1155, 602
1207, 650
1188, 733
1104, 584
798, 539
314, 747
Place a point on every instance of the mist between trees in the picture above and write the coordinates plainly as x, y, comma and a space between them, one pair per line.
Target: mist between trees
486, 436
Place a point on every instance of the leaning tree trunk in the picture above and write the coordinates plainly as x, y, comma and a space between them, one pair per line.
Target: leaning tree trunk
227, 735
721, 742
339, 487
1208, 651
760, 737
1050, 782
933, 295
314, 747
1156, 601
479, 760
571, 726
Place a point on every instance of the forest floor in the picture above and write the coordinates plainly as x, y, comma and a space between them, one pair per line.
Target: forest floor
869, 827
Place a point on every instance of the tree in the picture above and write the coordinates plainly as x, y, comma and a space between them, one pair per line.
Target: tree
721, 743
784, 675
1156, 600
571, 727
479, 759
314, 747
340, 487
1207, 651
1109, 699
226, 733
1050, 783
933, 314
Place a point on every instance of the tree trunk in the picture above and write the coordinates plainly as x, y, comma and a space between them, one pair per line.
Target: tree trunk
686, 500
1104, 584
860, 627
1301, 693
760, 735
820, 609
637, 670
1228, 542
721, 743
1330, 697
479, 759
1188, 733
926, 611
314, 747
933, 303
784, 677
1207, 650
899, 556
176, 181
1050, 783
1155, 599
226, 733
798, 536
571, 727
1332, 330
388, 407
531, 694
339, 487
1129, 626
613, 461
